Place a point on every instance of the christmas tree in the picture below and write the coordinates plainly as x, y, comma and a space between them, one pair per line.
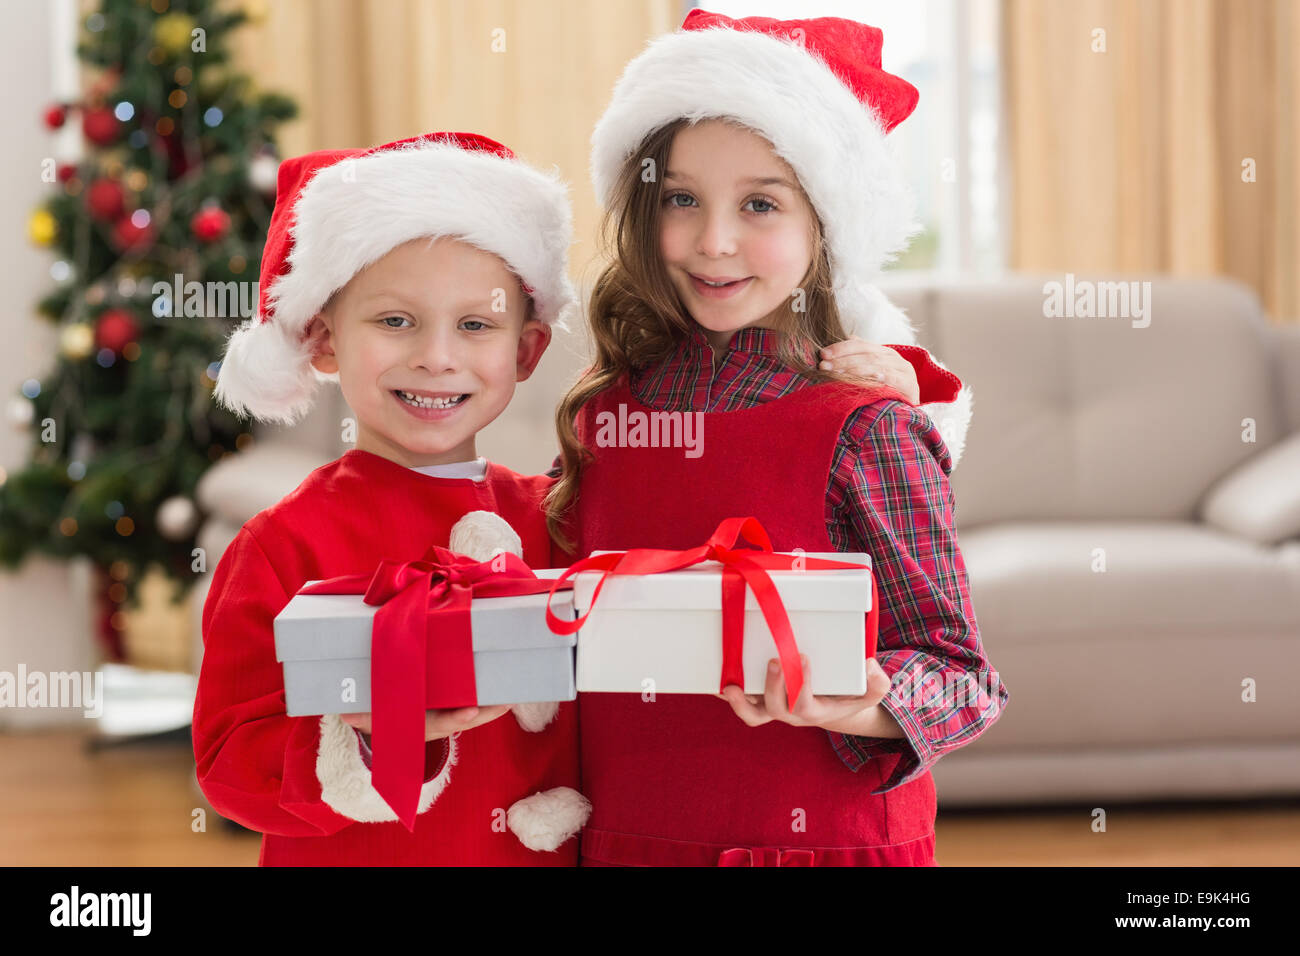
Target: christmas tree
157, 233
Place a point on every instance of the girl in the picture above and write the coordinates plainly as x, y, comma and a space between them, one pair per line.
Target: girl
739, 160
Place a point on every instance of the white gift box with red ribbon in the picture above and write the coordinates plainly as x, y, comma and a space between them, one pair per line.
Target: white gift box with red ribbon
663, 633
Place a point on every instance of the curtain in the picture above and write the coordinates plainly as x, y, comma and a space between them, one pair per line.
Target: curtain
533, 75
1138, 158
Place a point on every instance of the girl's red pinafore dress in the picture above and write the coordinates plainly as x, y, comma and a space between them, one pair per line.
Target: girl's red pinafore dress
681, 780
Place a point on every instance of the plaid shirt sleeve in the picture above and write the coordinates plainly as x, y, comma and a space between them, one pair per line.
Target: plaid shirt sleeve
889, 496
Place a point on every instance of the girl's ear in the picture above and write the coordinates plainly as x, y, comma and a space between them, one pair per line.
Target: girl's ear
321, 339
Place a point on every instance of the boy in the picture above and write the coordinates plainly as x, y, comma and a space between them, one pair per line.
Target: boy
424, 276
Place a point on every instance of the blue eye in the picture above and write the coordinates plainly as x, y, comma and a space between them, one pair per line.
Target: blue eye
672, 200
481, 324
400, 318
764, 202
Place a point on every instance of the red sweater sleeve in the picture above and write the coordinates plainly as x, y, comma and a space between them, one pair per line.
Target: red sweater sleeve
256, 765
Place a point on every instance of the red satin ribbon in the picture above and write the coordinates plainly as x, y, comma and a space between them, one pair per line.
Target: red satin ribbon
741, 567
422, 652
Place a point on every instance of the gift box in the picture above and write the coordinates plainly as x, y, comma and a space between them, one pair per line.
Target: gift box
692, 621
323, 642
667, 628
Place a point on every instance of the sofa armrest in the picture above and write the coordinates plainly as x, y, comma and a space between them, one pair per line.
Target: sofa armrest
1260, 499
238, 487
1285, 344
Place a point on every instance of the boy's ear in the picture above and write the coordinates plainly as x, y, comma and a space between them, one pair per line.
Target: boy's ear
533, 340
321, 338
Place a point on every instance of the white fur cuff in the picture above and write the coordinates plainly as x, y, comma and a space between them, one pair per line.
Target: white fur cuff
345, 783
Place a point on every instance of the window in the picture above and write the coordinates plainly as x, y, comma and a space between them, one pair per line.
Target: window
951, 145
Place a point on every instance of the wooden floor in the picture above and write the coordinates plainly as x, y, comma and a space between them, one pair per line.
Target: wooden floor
64, 805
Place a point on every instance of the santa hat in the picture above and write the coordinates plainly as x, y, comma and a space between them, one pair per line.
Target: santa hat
816, 90
338, 211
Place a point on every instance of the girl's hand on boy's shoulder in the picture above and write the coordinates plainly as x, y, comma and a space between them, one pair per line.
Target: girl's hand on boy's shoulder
440, 723
877, 364
847, 715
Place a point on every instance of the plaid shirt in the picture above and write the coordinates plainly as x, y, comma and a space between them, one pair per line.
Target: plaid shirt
888, 496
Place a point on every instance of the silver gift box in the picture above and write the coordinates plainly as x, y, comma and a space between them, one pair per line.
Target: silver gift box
323, 643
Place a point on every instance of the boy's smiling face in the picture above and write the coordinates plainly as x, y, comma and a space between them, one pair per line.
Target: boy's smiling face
423, 358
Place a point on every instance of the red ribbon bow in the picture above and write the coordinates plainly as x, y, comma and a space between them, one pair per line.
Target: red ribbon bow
740, 567
422, 652
765, 856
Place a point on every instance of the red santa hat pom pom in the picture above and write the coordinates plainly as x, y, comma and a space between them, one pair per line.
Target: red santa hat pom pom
545, 820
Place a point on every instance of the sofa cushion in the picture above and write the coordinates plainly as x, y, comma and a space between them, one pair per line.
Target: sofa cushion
1260, 500
1092, 417
1152, 649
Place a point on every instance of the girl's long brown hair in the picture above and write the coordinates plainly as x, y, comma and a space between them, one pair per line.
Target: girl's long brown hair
637, 319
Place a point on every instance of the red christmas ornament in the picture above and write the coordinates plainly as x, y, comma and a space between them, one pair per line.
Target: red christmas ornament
173, 147
65, 172
127, 236
210, 224
106, 200
116, 329
56, 116
100, 125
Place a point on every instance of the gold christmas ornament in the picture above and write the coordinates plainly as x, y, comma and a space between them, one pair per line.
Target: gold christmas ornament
172, 32
42, 228
77, 340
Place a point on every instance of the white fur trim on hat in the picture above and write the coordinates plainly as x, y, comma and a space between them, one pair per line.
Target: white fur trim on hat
880, 320
545, 820
353, 212
834, 143
345, 782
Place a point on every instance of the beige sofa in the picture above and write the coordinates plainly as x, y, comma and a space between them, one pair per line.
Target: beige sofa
1134, 563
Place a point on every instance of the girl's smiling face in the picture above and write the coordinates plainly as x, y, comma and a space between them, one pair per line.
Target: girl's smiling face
429, 342
736, 233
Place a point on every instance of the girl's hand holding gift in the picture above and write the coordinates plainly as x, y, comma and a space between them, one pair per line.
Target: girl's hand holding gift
439, 723
875, 363
859, 716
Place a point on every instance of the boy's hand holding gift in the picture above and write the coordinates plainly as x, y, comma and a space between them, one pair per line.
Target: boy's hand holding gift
480, 535
509, 660
438, 723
